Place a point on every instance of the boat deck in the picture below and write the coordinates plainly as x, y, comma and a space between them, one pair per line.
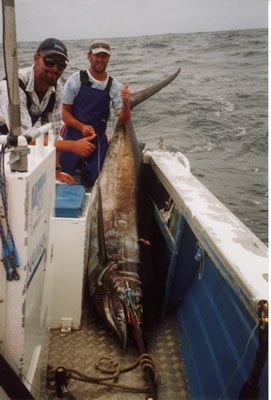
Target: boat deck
80, 350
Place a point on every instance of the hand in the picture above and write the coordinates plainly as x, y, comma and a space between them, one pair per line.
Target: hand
83, 147
125, 94
87, 130
125, 113
65, 178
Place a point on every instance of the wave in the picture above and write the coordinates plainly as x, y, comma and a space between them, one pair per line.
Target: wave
215, 112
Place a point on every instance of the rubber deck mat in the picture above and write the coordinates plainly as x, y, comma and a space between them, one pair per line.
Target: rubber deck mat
80, 350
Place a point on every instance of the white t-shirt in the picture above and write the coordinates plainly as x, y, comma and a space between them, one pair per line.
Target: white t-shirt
73, 85
37, 107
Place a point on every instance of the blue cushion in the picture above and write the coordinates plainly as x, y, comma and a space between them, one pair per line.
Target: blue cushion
70, 200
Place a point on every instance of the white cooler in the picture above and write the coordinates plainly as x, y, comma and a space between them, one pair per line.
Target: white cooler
69, 255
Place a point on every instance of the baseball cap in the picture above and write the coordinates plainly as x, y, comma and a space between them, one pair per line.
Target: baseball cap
99, 46
53, 46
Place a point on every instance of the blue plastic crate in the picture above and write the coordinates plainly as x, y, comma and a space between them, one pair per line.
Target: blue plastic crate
70, 200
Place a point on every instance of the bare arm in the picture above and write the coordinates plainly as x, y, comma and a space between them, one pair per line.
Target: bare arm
125, 113
66, 178
82, 147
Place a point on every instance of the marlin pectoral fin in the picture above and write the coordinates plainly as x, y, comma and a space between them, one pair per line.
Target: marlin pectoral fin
102, 254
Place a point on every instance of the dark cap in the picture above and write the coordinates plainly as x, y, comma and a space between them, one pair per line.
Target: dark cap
99, 46
53, 46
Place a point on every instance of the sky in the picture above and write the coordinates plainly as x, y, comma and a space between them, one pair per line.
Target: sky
92, 19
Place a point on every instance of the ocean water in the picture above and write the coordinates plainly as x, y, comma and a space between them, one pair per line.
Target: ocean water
215, 112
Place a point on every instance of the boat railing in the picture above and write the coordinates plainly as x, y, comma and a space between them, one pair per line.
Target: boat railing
18, 146
184, 160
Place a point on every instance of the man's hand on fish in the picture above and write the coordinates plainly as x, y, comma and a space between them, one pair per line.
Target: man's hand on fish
125, 114
125, 94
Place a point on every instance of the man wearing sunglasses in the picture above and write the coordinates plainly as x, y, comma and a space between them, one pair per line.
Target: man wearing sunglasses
41, 99
87, 96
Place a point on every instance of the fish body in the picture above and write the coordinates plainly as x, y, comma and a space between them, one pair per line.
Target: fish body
114, 266
114, 261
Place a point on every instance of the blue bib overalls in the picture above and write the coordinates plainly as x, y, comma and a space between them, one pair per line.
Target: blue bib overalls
91, 107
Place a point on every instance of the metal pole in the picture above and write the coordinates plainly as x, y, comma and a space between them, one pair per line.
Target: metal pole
18, 157
11, 65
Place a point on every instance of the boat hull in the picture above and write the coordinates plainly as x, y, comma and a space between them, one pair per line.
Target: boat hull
208, 276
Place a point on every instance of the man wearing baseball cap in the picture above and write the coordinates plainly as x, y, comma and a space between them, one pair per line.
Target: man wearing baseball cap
53, 46
87, 97
41, 98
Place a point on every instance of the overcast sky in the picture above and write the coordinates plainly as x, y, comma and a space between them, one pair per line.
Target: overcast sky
83, 19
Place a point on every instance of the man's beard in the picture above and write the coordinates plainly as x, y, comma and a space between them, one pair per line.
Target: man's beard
100, 68
50, 79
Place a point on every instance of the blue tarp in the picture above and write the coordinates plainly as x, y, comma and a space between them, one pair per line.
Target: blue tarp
70, 200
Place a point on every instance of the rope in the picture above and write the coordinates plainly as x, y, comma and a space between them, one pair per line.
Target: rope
240, 362
200, 257
9, 251
202, 265
113, 369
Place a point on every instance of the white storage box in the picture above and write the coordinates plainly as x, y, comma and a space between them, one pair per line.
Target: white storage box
69, 244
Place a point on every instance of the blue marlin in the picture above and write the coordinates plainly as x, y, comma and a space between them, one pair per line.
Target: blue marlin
114, 262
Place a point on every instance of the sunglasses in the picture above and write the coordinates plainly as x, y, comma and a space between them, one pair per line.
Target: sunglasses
51, 62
